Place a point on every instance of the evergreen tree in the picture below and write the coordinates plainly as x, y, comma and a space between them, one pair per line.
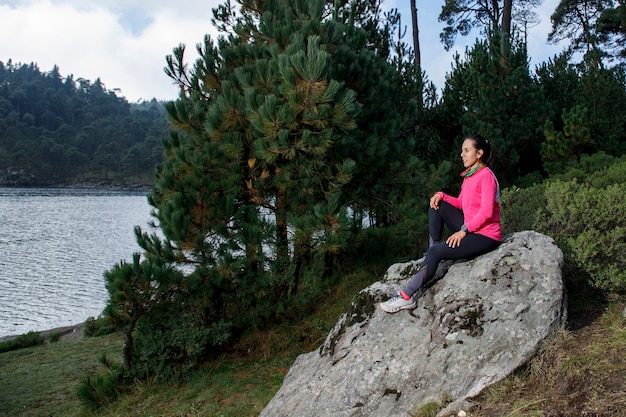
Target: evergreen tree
501, 102
612, 24
576, 20
268, 140
490, 17
563, 150
589, 95
256, 123
134, 290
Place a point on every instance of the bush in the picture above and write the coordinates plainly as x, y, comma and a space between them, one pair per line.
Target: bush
23, 341
55, 337
169, 343
592, 225
598, 170
521, 208
584, 210
99, 327
95, 391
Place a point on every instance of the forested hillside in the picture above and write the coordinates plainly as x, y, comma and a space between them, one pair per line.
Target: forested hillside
66, 131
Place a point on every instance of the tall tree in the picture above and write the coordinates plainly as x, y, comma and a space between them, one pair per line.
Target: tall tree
490, 17
267, 139
501, 102
612, 23
576, 20
416, 36
505, 32
587, 96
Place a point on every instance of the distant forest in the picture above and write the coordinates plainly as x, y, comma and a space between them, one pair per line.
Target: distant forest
61, 131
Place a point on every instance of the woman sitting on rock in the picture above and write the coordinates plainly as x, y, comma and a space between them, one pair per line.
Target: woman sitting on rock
473, 216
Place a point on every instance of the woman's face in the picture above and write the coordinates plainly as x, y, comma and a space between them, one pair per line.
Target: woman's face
469, 154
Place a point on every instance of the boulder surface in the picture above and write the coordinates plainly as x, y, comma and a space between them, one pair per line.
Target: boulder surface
475, 324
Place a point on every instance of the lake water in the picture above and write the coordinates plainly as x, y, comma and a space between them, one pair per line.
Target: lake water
55, 245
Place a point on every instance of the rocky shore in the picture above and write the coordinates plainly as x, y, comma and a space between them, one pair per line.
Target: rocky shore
74, 332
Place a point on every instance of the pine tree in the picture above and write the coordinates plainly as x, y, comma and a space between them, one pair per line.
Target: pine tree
250, 161
503, 103
562, 150
288, 120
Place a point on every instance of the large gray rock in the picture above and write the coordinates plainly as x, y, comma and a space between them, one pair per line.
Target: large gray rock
479, 323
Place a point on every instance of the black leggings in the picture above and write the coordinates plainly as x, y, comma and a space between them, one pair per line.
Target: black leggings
472, 245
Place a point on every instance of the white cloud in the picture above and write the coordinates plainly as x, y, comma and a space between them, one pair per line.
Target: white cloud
90, 41
124, 42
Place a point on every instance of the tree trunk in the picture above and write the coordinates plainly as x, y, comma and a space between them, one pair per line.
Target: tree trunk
505, 31
416, 39
282, 236
127, 350
416, 50
252, 245
302, 256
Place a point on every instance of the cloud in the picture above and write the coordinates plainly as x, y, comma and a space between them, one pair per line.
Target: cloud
124, 42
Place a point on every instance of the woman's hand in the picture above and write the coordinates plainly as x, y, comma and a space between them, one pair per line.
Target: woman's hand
454, 240
435, 200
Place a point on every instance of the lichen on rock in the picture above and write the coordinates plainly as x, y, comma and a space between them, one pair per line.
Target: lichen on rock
474, 324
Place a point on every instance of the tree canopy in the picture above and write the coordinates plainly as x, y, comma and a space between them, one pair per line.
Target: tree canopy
489, 17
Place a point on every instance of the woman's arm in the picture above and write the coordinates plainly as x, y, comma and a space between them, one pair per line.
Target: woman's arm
455, 201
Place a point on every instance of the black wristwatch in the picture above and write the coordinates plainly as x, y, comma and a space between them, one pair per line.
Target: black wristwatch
464, 228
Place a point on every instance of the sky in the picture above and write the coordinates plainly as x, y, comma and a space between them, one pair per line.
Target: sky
125, 42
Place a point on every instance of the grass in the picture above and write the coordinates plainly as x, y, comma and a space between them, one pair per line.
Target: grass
581, 373
42, 380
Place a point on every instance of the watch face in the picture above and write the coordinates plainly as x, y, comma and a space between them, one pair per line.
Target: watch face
464, 228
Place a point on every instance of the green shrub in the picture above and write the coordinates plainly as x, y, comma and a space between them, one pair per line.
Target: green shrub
55, 337
521, 208
23, 341
609, 176
96, 391
99, 327
592, 228
169, 343
584, 210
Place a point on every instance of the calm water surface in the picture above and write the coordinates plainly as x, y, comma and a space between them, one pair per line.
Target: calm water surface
55, 246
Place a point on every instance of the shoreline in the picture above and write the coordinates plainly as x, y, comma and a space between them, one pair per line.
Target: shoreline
73, 332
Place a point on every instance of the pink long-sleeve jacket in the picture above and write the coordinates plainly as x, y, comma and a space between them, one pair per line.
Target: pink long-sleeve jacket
479, 200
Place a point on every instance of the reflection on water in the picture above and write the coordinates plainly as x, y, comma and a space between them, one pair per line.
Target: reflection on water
55, 245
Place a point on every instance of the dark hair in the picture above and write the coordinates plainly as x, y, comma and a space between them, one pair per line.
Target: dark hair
480, 143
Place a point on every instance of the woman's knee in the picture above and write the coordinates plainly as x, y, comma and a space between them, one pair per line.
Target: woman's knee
432, 212
436, 251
